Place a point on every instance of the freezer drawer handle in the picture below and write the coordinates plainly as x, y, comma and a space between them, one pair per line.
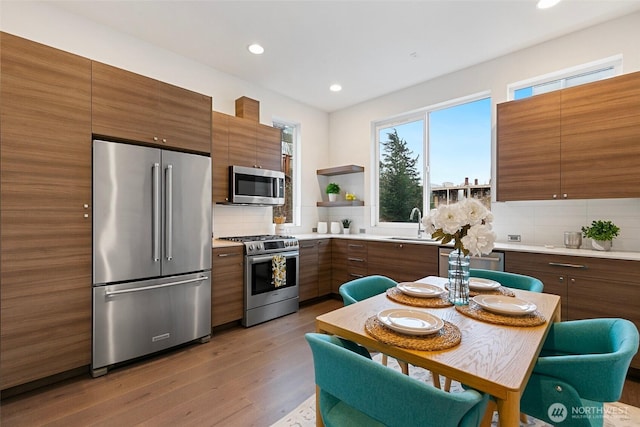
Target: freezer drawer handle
164, 285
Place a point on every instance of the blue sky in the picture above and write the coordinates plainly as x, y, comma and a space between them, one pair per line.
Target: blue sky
460, 142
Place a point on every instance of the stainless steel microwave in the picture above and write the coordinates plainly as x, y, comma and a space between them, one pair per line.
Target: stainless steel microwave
255, 186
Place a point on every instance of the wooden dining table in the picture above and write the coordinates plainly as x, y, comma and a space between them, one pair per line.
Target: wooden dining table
491, 358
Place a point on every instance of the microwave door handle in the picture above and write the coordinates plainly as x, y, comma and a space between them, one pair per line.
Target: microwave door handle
155, 206
169, 213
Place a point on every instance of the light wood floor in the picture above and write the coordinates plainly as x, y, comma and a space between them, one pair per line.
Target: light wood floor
242, 377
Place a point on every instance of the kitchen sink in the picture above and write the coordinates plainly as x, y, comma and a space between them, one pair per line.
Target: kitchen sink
413, 239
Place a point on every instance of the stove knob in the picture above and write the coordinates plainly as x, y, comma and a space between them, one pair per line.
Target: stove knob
259, 246
250, 248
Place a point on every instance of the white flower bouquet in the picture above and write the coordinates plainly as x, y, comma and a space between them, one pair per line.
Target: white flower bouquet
466, 223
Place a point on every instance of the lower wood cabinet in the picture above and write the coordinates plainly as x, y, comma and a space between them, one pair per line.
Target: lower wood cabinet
227, 285
348, 260
402, 262
315, 268
588, 287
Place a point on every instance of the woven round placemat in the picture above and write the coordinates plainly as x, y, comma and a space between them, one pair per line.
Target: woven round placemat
474, 311
447, 337
397, 295
499, 291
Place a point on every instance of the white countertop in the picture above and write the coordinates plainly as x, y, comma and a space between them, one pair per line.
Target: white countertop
557, 250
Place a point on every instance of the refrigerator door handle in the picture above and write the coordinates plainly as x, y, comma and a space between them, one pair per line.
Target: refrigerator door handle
169, 213
156, 212
164, 285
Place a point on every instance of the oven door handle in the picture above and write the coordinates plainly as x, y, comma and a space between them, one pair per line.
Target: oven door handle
254, 259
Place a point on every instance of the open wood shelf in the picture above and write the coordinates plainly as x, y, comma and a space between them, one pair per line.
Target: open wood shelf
340, 170
341, 203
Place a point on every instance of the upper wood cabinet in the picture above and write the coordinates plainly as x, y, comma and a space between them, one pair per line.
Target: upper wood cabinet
237, 141
129, 106
601, 139
576, 143
528, 155
45, 220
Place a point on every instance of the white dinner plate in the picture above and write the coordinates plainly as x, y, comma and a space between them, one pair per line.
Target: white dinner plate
410, 322
417, 289
505, 305
481, 284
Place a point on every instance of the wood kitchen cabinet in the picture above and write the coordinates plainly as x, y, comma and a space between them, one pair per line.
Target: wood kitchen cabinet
227, 285
132, 107
528, 154
402, 262
45, 225
588, 287
575, 143
241, 142
315, 268
349, 261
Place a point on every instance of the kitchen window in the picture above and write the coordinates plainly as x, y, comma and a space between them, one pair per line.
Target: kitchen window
290, 167
434, 156
574, 76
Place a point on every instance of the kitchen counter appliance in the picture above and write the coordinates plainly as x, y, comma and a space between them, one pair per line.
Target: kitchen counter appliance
271, 277
492, 261
151, 251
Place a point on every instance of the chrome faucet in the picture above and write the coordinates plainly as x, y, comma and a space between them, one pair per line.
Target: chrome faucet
420, 230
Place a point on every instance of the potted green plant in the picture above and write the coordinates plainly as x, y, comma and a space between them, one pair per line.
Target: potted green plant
346, 223
601, 234
333, 190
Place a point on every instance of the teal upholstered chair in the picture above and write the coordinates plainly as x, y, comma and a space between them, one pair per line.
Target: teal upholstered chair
367, 287
509, 280
364, 287
583, 363
356, 391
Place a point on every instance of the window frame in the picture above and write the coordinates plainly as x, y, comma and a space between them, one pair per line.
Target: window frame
614, 61
418, 114
297, 167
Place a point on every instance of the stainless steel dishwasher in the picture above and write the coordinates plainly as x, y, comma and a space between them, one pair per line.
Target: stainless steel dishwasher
492, 261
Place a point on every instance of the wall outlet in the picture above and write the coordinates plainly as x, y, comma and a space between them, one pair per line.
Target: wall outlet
363, 230
513, 238
314, 230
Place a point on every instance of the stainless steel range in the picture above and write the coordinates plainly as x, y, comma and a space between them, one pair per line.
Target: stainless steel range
271, 272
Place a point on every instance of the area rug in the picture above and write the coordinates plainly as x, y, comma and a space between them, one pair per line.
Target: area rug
616, 414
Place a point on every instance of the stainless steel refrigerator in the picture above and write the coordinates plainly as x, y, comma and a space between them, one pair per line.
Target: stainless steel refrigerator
151, 251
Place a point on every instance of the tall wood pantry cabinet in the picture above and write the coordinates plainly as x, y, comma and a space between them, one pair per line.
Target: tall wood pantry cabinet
45, 218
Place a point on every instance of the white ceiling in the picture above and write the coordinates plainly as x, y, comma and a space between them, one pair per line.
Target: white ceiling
370, 47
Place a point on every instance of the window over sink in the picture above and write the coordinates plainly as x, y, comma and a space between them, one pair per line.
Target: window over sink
436, 155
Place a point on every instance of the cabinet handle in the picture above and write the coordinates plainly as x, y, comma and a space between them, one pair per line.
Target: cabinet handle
561, 279
226, 255
355, 275
564, 195
164, 139
562, 264
573, 280
351, 245
555, 196
308, 246
155, 138
356, 259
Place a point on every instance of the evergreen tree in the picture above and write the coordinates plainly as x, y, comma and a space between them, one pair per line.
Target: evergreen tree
400, 187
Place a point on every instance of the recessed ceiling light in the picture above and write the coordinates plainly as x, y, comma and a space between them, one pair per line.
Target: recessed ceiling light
546, 4
256, 49
335, 87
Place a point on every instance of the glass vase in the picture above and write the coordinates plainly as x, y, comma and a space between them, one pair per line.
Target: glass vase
458, 278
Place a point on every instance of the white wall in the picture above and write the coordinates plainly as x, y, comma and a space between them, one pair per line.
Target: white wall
537, 222
43, 23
